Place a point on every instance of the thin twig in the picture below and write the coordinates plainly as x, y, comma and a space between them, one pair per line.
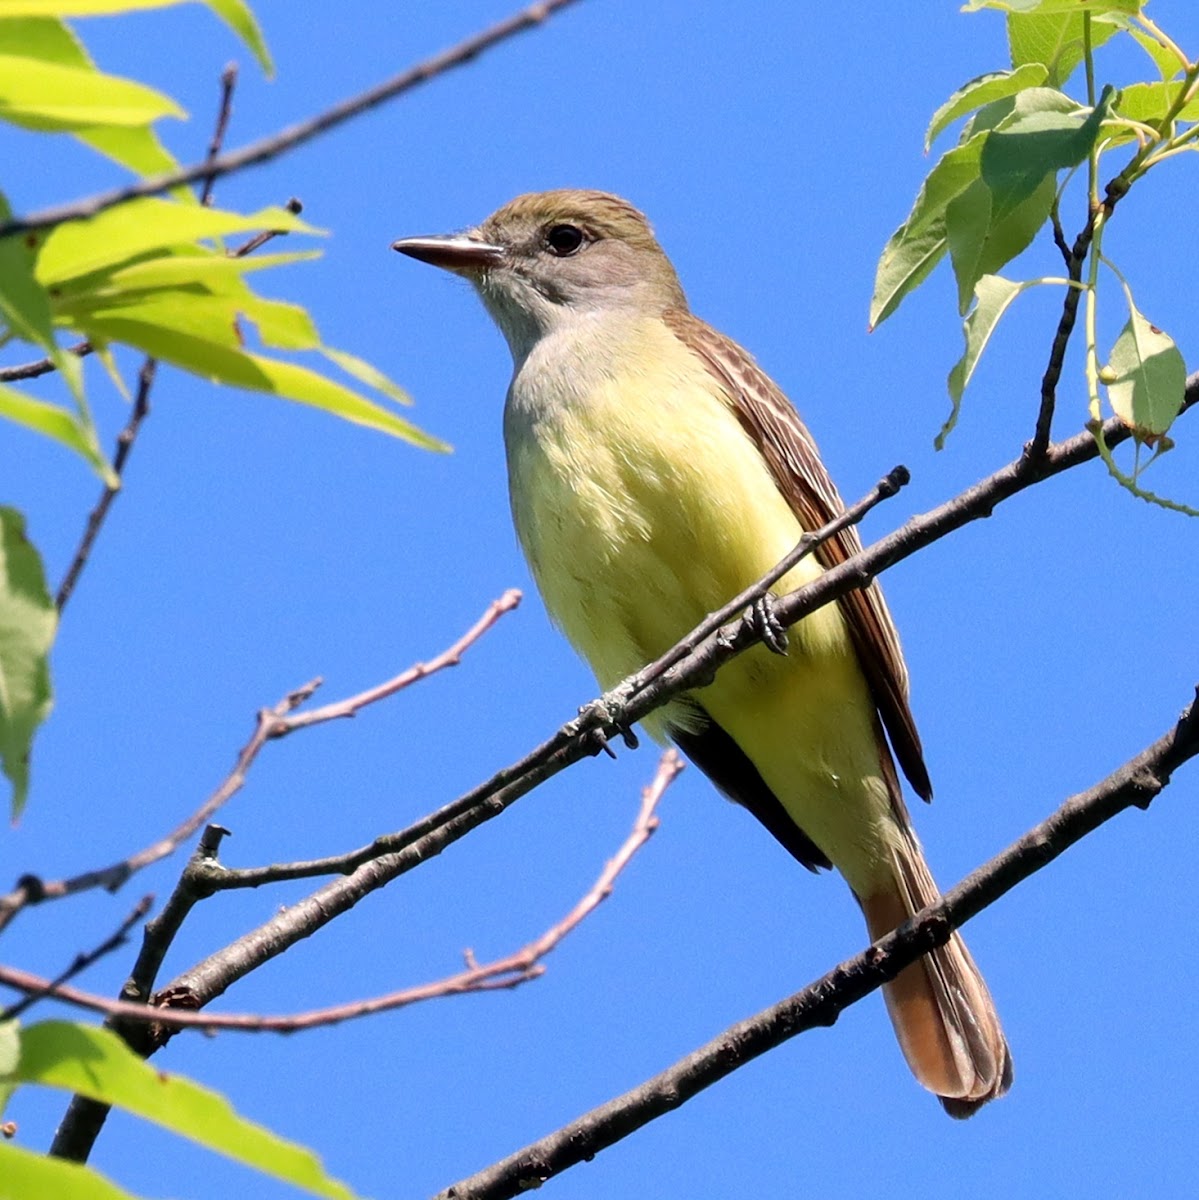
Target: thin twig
145, 379
1135, 784
52, 987
510, 971
43, 366
96, 518
270, 147
270, 723
1074, 256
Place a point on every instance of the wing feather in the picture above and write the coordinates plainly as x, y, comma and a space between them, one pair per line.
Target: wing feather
791, 455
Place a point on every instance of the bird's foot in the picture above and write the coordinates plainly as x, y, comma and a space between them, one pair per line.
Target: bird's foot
765, 623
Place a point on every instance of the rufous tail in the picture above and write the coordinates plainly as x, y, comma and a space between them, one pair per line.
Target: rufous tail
942, 1012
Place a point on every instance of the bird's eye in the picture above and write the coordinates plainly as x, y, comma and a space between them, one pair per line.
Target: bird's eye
564, 240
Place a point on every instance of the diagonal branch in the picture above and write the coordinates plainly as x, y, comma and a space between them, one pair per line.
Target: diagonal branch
271, 723
391, 856
510, 971
295, 135
1135, 784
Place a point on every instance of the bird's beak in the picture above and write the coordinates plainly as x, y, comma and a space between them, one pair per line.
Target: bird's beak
457, 252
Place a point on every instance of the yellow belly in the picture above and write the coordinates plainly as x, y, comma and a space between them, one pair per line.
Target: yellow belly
642, 506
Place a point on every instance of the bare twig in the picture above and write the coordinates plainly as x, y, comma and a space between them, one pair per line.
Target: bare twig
1074, 257
271, 723
43, 366
96, 518
507, 972
270, 147
1135, 784
52, 987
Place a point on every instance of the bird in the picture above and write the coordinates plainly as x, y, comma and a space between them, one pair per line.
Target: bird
654, 472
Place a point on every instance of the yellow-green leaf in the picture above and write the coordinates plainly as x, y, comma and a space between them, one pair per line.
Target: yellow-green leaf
198, 333
72, 430
37, 94
25, 1175
366, 373
119, 234
95, 1063
28, 620
235, 13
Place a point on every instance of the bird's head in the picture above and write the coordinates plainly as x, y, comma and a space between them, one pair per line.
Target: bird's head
549, 258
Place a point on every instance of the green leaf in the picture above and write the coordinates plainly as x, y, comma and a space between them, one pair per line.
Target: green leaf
1166, 61
994, 294
234, 13
10, 1055
366, 373
1033, 146
95, 1063
73, 431
199, 333
1054, 40
980, 245
281, 325
919, 243
28, 620
1094, 7
1150, 102
37, 94
122, 233
1145, 377
983, 90
25, 1175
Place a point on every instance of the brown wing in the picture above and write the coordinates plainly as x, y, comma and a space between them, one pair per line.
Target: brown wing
791, 454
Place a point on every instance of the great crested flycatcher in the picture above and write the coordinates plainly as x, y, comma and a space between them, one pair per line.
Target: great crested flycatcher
654, 473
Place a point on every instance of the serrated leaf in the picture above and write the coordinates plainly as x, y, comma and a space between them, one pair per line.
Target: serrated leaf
25, 1175
42, 95
95, 1063
980, 245
199, 333
1046, 7
994, 294
122, 233
71, 430
1150, 102
1149, 383
1020, 155
984, 90
919, 243
234, 13
28, 620
1166, 61
1054, 40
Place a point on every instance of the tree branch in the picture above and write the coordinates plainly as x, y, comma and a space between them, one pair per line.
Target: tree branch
391, 856
510, 971
1135, 784
271, 723
270, 147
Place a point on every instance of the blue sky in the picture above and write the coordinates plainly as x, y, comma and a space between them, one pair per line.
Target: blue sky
258, 544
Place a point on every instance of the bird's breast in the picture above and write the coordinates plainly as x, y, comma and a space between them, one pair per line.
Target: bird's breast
640, 502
